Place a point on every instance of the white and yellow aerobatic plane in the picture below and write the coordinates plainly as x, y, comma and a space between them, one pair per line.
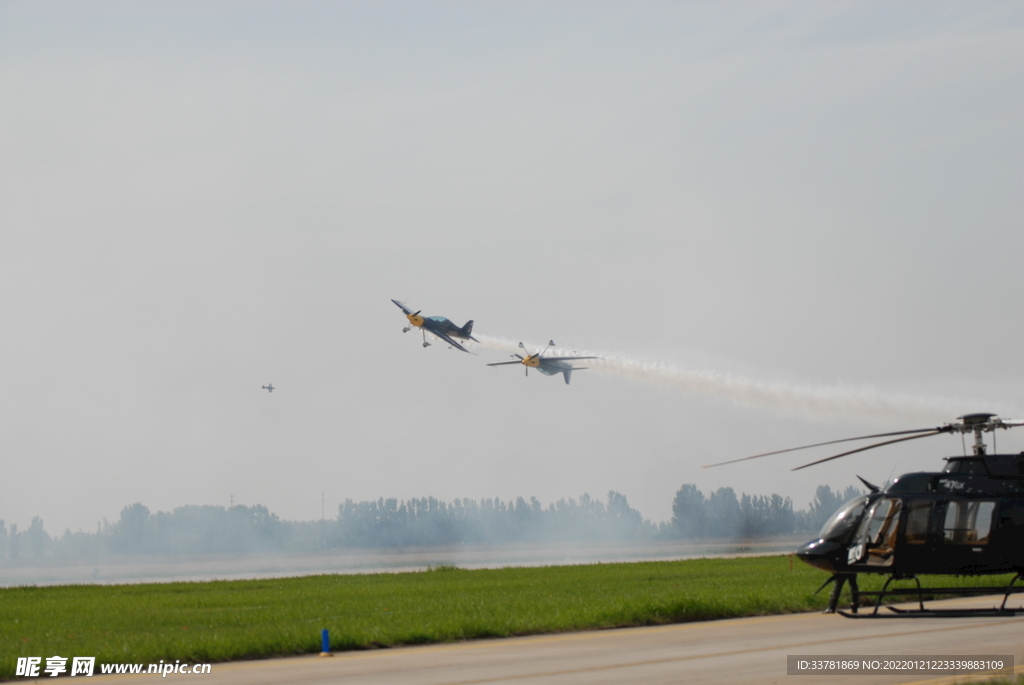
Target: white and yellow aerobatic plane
549, 366
437, 326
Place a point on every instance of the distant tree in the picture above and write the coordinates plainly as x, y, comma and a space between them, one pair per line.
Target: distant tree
825, 503
781, 517
131, 532
13, 542
689, 515
723, 514
624, 522
750, 517
37, 541
79, 545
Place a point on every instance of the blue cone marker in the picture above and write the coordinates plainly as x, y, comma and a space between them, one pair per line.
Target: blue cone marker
325, 644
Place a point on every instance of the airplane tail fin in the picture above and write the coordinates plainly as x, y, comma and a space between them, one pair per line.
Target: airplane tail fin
467, 330
568, 372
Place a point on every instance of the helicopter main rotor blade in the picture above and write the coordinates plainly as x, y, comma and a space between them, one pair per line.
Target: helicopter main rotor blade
870, 447
821, 444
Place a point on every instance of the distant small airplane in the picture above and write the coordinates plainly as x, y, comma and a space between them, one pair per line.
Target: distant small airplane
437, 326
269, 388
548, 366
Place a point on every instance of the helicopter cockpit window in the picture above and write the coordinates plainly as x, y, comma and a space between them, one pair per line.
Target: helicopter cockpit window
841, 522
918, 513
968, 522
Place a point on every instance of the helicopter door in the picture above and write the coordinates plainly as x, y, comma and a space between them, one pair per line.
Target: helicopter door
918, 552
875, 541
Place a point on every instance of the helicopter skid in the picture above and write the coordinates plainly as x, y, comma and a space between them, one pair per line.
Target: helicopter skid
920, 593
936, 613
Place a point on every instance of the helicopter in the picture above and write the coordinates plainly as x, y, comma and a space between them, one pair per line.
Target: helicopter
967, 519
549, 366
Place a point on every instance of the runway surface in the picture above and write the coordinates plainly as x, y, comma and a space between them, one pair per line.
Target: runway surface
751, 651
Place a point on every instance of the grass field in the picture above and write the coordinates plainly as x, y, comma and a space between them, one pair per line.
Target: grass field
227, 620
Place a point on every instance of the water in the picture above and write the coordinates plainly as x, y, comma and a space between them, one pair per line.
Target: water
123, 570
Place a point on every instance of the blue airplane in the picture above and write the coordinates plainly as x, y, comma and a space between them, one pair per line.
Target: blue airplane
437, 326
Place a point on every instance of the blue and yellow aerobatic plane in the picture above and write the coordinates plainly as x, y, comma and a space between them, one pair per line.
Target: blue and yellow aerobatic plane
548, 366
437, 326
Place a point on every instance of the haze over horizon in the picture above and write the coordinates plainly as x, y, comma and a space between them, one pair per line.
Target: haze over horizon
198, 199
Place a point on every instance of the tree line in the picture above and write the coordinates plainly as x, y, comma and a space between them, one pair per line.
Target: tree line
425, 522
722, 514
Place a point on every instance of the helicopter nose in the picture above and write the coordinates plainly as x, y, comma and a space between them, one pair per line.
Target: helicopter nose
823, 554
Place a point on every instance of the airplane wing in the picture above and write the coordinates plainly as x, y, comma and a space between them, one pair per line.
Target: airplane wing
447, 338
403, 307
564, 359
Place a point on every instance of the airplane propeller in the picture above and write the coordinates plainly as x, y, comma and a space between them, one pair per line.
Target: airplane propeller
520, 359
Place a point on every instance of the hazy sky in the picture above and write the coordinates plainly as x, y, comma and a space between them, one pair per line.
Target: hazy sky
197, 199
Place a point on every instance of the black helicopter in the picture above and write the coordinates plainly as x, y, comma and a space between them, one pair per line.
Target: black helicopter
967, 519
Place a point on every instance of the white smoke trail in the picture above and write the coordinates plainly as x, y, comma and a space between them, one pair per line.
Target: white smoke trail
806, 400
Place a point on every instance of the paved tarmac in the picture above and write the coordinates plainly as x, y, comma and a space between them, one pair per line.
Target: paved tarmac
748, 651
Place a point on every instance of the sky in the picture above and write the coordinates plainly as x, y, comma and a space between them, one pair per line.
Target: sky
778, 222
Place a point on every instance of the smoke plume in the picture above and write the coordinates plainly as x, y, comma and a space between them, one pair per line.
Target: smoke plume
793, 398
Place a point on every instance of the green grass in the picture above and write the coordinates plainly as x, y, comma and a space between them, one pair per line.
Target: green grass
226, 620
